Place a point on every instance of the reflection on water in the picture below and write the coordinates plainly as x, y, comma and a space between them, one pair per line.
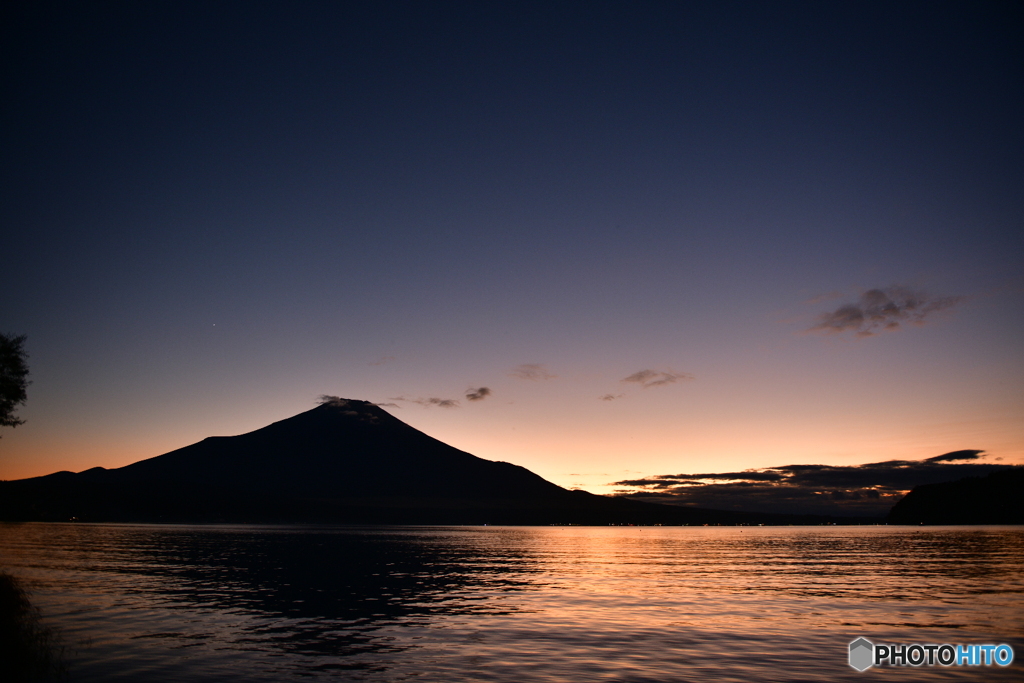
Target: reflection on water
167, 603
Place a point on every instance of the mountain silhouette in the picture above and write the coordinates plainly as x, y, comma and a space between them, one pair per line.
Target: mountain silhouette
345, 461
994, 499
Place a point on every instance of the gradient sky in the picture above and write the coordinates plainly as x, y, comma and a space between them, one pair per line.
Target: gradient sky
796, 227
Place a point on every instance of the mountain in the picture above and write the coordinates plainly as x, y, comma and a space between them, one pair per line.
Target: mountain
345, 461
995, 499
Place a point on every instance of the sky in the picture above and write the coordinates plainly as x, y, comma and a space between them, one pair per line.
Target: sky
606, 241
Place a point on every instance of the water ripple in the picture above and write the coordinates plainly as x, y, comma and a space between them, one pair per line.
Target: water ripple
166, 603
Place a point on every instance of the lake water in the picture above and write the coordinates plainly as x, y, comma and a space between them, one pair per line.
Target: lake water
242, 603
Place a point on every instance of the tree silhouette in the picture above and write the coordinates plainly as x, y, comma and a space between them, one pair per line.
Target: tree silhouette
13, 378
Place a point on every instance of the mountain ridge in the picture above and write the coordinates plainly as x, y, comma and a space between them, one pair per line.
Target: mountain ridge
997, 498
345, 461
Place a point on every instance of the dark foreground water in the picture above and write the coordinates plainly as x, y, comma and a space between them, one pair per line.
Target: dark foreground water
242, 603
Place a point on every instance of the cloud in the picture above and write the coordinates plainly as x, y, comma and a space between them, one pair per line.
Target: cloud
611, 397
383, 360
351, 408
387, 405
655, 378
531, 371
427, 402
442, 402
477, 394
879, 310
957, 455
870, 489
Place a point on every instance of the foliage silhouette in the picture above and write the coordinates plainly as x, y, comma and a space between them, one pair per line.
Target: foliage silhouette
13, 378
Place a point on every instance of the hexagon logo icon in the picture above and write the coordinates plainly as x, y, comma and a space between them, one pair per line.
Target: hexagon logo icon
862, 652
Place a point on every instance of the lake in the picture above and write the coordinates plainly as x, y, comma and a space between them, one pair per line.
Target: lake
161, 603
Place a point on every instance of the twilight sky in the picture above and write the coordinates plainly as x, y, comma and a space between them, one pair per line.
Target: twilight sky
603, 240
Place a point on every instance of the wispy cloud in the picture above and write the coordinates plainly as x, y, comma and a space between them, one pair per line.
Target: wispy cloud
351, 408
611, 397
478, 394
870, 489
383, 360
428, 402
657, 378
531, 371
441, 402
880, 310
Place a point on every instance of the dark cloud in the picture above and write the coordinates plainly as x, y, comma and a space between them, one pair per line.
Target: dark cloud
749, 475
869, 489
383, 360
478, 394
610, 397
957, 455
655, 378
531, 371
878, 310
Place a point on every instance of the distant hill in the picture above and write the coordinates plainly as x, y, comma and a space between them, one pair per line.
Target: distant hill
346, 461
995, 499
